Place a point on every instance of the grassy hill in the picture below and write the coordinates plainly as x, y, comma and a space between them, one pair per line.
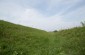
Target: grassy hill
20, 40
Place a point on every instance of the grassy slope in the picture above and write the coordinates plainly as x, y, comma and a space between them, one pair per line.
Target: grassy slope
20, 40
71, 41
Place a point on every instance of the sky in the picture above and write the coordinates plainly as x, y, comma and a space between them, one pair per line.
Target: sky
48, 15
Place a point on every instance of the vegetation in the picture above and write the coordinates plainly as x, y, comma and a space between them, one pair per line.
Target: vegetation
83, 23
55, 31
21, 40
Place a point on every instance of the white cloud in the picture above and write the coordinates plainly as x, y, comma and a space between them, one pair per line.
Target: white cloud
32, 17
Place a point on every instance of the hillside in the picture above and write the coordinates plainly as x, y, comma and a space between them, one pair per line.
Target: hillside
20, 40
71, 41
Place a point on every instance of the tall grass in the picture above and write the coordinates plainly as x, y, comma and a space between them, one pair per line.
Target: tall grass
21, 40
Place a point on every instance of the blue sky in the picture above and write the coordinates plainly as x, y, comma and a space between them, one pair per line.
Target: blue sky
47, 15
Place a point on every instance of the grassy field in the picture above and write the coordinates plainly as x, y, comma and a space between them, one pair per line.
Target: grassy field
20, 40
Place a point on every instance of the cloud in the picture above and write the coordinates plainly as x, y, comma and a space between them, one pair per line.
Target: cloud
41, 14
31, 17
60, 6
75, 16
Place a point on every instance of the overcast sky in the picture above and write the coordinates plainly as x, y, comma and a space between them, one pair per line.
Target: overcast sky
47, 15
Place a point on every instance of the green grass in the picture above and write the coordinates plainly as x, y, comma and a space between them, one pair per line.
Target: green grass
20, 40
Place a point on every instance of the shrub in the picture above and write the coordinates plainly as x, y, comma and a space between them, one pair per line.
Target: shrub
55, 31
83, 23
